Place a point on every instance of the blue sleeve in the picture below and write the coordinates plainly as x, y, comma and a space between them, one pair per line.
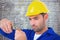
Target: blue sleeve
10, 35
29, 34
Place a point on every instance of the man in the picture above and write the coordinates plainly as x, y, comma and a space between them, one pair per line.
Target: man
38, 14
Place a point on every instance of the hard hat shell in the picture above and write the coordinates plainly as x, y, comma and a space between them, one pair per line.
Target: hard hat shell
36, 8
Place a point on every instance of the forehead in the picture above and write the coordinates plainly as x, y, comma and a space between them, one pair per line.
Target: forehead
35, 16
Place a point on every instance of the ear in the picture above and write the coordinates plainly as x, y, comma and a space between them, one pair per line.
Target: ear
46, 16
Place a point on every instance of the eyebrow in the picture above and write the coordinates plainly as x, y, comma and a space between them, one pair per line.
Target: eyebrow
34, 17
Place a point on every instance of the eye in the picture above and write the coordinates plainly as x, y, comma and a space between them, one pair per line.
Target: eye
29, 18
36, 18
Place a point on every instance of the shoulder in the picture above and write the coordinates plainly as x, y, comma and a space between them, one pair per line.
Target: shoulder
57, 37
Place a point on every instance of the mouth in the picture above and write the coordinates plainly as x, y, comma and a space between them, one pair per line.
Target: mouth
33, 27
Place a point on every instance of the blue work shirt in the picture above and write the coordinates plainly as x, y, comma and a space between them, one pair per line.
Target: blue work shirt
48, 35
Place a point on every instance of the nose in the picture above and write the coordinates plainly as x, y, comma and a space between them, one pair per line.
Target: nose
32, 22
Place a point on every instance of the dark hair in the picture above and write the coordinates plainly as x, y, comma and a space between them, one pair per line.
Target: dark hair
43, 14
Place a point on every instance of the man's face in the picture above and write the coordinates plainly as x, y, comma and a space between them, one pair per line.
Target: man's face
37, 22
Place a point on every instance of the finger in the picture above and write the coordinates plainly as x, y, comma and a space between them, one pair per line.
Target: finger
9, 27
6, 25
3, 27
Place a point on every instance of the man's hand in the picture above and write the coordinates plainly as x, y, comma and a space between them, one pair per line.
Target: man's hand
6, 25
20, 35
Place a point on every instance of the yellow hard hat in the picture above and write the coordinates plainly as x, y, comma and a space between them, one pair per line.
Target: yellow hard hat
36, 8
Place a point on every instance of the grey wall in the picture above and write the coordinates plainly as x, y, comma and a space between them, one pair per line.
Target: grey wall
15, 11
0, 15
